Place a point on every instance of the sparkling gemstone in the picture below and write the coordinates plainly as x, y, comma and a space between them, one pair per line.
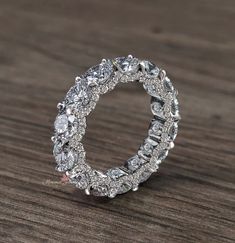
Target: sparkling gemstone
127, 65
157, 107
61, 124
147, 149
168, 85
175, 107
64, 157
99, 73
133, 163
173, 131
150, 69
115, 173
156, 128
151, 89
100, 190
72, 157
71, 118
125, 187
79, 94
81, 180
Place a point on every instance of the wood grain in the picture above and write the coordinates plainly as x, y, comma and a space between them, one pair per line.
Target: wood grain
44, 45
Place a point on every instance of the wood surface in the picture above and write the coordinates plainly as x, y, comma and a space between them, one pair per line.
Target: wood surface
44, 45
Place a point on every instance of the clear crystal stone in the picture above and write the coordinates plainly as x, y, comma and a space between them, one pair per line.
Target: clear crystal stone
150, 69
127, 65
61, 123
100, 190
147, 149
80, 179
99, 73
157, 107
134, 163
175, 107
115, 173
79, 94
144, 175
168, 85
173, 131
125, 187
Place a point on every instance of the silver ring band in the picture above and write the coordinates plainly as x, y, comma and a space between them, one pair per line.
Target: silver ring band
81, 99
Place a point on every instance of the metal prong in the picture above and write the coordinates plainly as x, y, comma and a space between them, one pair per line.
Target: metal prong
177, 117
142, 65
60, 106
130, 56
77, 79
171, 145
162, 74
175, 92
111, 195
87, 191
134, 189
53, 138
103, 61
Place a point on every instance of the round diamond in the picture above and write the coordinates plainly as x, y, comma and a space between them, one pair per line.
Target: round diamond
127, 65
61, 124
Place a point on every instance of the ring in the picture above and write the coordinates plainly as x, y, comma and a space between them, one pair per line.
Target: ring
81, 99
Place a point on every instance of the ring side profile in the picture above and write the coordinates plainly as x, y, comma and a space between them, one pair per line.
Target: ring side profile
81, 99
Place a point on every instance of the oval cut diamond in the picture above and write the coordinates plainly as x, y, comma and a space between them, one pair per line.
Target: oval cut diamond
61, 124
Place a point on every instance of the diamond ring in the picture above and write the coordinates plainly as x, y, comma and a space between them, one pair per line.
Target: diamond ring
81, 99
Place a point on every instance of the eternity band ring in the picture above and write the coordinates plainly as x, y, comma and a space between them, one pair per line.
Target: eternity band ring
81, 99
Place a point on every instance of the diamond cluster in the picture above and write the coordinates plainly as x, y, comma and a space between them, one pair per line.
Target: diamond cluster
81, 99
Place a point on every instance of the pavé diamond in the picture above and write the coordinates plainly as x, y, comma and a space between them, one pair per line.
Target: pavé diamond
144, 175
80, 179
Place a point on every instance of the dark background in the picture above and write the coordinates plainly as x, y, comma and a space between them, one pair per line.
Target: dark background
44, 45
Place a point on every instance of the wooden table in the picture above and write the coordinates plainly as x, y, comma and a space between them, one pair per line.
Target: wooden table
43, 46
